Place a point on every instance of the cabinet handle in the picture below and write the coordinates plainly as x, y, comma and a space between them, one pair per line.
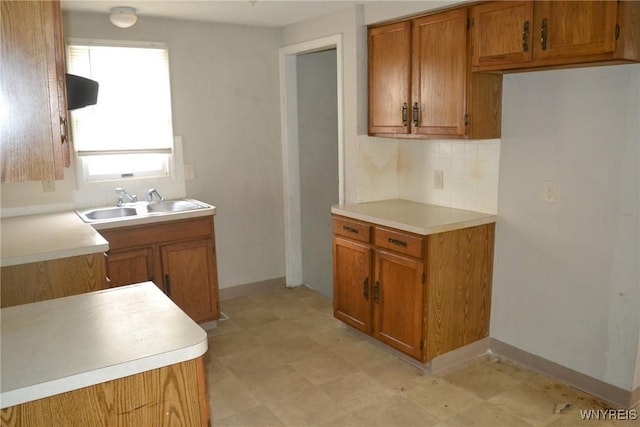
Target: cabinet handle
64, 130
416, 114
525, 37
405, 107
397, 242
543, 34
350, 229
167, 284
376, 292
365, 288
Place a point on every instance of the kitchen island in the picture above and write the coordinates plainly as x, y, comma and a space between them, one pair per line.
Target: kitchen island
122, 356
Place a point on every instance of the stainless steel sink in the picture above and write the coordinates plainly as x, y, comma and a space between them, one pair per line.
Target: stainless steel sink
133, 211
109, 213
173, 206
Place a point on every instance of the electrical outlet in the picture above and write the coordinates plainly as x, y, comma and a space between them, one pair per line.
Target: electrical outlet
550, 191
48, 186
189, 172
438, 180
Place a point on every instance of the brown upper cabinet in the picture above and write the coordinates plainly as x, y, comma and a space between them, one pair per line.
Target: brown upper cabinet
33, 139
518, 35
421, 85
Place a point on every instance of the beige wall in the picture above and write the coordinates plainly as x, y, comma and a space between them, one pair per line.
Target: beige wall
225, 106
566, 275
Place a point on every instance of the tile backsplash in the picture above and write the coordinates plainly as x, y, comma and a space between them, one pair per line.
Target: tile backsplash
390, 168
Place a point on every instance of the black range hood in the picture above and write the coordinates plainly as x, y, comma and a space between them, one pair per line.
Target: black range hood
81, 92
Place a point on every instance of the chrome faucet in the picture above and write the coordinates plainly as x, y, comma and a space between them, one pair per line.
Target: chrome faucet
150, 194
121, 195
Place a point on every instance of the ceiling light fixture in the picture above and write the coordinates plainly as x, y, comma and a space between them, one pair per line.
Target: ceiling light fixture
123, 17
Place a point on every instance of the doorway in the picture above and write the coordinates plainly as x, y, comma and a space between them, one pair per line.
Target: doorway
313, 165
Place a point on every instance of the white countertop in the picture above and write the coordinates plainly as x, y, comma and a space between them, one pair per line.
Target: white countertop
33, 238
413, 217
64, 344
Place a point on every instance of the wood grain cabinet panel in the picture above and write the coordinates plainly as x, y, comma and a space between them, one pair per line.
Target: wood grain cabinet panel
502, 34
178, 256
518, 35
439, 61
32, 83
421, 85
389, 78
39, 281
127, 267
174, 395
424, 299
398, 299
190, 278
352, 283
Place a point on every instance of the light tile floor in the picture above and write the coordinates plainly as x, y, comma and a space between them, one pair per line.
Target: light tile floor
283, 360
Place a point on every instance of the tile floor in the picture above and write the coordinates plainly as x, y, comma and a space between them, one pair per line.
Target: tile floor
283, 360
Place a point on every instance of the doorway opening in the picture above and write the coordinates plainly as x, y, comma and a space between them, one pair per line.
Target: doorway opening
313, 159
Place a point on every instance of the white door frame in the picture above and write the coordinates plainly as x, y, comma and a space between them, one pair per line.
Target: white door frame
290, 151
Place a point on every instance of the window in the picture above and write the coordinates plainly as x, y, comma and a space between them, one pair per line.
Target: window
128, 133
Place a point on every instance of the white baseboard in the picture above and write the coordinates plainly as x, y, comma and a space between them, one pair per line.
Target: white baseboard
610, 393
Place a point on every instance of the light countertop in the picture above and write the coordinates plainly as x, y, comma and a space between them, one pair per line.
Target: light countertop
33, 238
413, 217
64, 344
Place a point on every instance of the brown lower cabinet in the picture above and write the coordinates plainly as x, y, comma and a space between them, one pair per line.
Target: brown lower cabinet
171, 395
178, 256
422, 295
56, 278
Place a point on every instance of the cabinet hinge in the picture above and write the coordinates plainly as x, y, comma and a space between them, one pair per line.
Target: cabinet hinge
468, 23
422, 345
466, 119
617, 31
424, 278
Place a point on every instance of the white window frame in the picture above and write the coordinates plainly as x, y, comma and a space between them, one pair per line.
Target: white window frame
168, 169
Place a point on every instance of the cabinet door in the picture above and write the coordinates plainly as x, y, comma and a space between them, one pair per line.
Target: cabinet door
567, 29
439, 61
389, 78
398, 302
132, 266
30, 134
501, 34
352, 287
190, 278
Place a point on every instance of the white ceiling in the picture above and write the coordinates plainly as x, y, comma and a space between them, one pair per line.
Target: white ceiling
270, 13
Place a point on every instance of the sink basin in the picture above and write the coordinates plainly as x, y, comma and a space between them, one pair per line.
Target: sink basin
109, 213
173, 206
142, 211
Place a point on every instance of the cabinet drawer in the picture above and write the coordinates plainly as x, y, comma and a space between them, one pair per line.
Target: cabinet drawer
399, 242
157, 233
353, 229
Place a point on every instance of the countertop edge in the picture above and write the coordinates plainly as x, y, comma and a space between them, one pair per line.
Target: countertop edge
153, 219
481, 219
49, 256
109, 373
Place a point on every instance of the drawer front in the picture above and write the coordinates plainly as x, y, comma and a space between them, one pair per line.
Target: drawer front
157, 233
400, 242
352, 229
